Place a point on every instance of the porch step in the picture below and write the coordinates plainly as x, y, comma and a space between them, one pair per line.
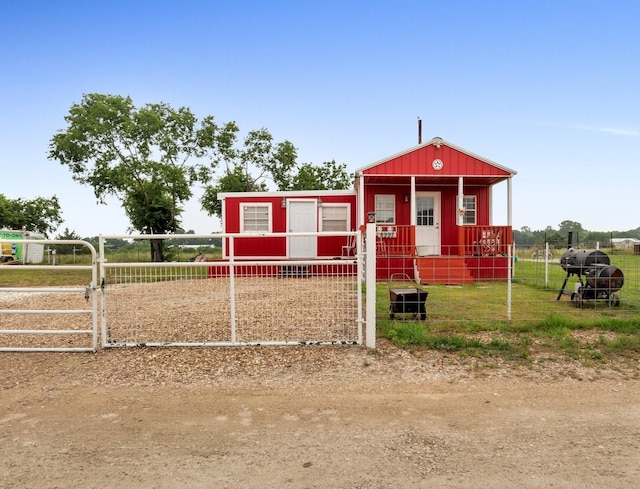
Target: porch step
450, 270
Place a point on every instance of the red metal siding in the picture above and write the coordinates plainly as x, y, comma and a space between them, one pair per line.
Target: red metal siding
418, 162
250, 246
256, 246
448, 216
449, 210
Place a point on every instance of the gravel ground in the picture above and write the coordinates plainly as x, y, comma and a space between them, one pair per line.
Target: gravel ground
314, 417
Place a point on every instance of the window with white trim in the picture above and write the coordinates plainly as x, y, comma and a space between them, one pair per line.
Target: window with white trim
385, 208
255, 217
335, 217
469, 204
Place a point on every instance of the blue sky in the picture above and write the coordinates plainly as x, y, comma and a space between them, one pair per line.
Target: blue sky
550, 89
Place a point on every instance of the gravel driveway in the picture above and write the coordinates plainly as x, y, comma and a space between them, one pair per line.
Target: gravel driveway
313, 417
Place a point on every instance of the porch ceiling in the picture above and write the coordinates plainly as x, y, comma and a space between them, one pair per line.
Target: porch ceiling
443, 181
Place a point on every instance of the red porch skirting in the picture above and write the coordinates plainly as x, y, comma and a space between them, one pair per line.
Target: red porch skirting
282, 269
451, 270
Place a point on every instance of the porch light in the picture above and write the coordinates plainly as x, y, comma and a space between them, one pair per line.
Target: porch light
319, 201
283, 203
406, 197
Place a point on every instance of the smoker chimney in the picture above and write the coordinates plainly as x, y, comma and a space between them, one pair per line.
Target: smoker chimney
419, 130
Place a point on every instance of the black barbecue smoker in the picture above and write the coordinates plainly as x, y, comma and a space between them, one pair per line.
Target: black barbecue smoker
598, 280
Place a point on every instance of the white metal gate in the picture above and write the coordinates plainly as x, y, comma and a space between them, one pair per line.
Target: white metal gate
31, 316
232, 302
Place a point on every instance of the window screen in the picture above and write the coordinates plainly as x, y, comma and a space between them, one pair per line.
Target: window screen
255, 217
469, 203
386, 208
335, 218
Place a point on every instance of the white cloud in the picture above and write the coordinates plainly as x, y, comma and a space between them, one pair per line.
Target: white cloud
608, 130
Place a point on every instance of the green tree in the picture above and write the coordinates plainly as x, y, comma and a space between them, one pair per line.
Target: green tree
69, 249
143, 156
524, 237
328, 176
233, 180
40, 215
576, 227
258, 160
557, 239
246, 168
593, 237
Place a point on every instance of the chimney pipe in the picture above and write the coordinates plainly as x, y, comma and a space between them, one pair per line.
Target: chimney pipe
419, 130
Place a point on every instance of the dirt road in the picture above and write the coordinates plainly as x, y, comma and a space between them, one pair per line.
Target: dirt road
312, 418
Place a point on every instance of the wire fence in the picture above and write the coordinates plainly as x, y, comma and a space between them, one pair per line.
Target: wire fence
538, 287
549, 270
226, 302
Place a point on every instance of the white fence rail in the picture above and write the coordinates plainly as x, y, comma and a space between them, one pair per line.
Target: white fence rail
29, 323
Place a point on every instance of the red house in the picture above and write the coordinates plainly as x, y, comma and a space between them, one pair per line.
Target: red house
432, 205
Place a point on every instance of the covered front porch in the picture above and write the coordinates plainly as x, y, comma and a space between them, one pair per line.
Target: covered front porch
433, 207
481, 255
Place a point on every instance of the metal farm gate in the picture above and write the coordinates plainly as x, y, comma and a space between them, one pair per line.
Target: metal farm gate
48, 317
231, 302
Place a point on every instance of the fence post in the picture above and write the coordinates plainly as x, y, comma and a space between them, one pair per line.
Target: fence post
546, 264
232, 288
510, 256
370, 272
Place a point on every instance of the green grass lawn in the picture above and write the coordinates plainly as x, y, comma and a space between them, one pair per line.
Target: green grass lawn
475, 319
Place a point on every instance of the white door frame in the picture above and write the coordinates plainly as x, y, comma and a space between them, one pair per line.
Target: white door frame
302, 217
428, 236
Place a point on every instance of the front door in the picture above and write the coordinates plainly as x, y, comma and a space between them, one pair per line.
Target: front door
302, 219
428, 223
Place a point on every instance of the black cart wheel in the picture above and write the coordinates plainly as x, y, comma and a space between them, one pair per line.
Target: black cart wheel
576, 298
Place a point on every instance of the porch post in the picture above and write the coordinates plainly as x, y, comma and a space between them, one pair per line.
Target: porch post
460, 216
360, 204
412, 220
509, 223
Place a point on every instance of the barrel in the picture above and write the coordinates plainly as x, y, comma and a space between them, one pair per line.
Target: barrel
604, 277
576, 261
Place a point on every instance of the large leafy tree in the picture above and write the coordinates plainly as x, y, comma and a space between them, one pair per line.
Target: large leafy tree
328, 176
567, 225
40, 215
247, 167
148, 157
259, 160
